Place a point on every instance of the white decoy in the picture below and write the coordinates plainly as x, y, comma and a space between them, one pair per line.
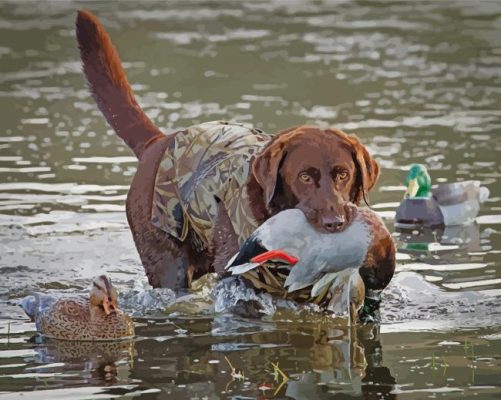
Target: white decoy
318, 263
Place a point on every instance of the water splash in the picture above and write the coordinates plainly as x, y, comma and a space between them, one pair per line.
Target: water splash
143, 300
232, 294
411, 303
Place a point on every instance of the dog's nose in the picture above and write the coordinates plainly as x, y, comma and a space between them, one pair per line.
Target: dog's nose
332, 224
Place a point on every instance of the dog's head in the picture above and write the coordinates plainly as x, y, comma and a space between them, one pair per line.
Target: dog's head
321, 172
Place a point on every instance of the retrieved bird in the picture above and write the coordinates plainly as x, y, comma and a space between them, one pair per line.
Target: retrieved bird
77, 317
288, 258
455, 203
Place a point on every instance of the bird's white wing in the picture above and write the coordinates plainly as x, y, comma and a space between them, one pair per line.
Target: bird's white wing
243, 268
325, 280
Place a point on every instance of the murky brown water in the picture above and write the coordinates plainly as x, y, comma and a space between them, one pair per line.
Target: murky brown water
417, 82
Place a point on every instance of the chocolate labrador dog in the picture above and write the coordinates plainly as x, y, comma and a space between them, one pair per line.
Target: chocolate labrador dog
199, 192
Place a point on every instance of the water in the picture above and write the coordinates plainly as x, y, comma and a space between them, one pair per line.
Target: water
416, 82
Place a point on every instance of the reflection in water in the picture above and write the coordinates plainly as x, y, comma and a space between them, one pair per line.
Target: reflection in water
419, 240
338, 363
319, 360
326, 359
378, 377
96, 360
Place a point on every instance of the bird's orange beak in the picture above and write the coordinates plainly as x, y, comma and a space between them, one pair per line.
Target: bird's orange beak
412, 189
110, 305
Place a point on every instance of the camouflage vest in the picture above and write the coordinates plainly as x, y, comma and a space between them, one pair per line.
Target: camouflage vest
209, 160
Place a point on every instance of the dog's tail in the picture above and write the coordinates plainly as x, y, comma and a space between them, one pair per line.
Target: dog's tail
109, 86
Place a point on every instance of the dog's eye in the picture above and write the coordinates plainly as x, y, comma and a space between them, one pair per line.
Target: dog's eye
342, 176
305, 177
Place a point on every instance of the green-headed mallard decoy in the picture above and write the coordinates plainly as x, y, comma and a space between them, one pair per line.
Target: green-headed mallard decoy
288, 258
77, 317
454, 203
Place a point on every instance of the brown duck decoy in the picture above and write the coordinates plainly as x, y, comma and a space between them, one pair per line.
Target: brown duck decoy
76, 317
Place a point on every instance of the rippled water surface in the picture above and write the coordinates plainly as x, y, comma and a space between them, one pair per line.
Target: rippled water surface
417, 81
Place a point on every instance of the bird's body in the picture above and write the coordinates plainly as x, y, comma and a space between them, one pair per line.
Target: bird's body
77, 317
445, 204
327, 267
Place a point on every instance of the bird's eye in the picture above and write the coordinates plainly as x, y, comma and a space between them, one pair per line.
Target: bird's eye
305, 178
342, 176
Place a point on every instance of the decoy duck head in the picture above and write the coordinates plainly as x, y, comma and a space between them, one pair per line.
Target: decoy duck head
418, 182
103, 294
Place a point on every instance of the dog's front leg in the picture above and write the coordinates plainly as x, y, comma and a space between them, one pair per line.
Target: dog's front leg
224, 239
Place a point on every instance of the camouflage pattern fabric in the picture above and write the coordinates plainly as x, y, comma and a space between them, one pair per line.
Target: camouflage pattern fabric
204, 162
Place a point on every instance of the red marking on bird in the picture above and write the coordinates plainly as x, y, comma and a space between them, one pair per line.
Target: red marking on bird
274, 255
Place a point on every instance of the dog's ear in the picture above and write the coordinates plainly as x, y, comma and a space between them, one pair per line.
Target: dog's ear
367, 171
266, 166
